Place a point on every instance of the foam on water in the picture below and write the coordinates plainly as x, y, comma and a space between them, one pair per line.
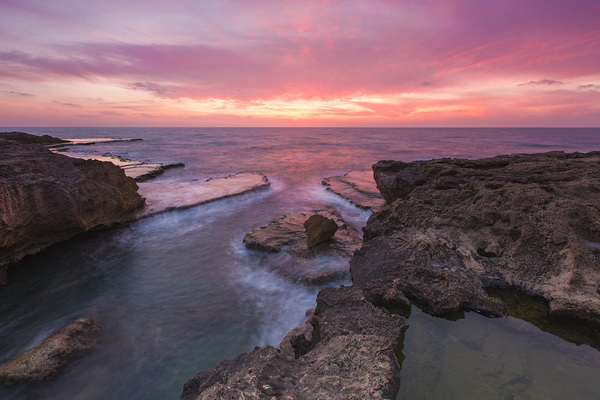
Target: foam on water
178, 293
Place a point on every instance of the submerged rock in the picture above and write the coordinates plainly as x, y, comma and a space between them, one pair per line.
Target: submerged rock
358, 187
350, 353
46, 198
47, 359
168, 196
454, 227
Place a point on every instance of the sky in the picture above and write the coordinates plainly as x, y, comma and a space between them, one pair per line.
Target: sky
379, 63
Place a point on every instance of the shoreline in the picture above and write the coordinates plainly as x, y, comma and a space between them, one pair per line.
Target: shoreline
392, 297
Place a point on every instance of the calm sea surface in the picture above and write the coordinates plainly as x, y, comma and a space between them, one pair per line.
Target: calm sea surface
178, 293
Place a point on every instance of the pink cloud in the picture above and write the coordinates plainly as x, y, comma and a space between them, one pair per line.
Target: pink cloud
250, 50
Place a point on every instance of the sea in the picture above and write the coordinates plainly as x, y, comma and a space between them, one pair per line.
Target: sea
177, 293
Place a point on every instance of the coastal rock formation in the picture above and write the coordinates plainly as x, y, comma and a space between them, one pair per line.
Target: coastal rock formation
351, 354
454, 227
288, 232
26, 138
46, 359
289, 235
138, 170
358, 187
46, 198
319, 229
168, 196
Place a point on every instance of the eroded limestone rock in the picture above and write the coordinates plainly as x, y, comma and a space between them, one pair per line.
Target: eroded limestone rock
351, 355
45, 360
168, 196
453, 227
46, 198
358, 187
288, 232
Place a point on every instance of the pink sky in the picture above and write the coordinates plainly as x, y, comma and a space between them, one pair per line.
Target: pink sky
300, 63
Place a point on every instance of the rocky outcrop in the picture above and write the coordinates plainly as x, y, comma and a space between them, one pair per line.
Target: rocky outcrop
26, 138
47, 359
168, 196
454, 227
358, 187
46, 198
290, 235
138, 170
288, 232
350, 354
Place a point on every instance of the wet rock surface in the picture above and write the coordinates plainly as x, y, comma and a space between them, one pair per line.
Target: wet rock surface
138, 170
358, 187
46, 198
45, 360
288, 232
454, 227
167, 196
333, 242
350, 353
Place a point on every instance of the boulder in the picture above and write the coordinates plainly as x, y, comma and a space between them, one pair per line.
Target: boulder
45, 360
350, 353
358, 187
319, 229
46, 198
454, 227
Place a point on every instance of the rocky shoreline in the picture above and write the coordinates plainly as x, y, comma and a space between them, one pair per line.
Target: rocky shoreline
444, 235
46, 198
451, 229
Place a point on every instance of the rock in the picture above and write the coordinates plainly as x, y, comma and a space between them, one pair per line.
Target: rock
46, 198
358, 187
92, 141
168, 196
316, 279
298, 341
319, 229
454, 227
47, 359
26, 138
138, 170
288, 232
351, 354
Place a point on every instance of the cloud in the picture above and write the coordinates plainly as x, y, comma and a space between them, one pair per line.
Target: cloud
16, 93
590, 86
157, 89
543, 82
239, 52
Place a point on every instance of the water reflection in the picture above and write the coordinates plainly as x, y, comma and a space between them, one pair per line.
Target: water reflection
503, 358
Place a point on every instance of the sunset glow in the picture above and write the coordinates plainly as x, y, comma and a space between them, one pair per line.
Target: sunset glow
310, 63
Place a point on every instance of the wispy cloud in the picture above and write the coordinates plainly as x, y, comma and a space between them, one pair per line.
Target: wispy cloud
17, 93
239, 52
542, 82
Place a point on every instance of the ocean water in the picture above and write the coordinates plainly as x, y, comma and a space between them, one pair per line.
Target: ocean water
177, 293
